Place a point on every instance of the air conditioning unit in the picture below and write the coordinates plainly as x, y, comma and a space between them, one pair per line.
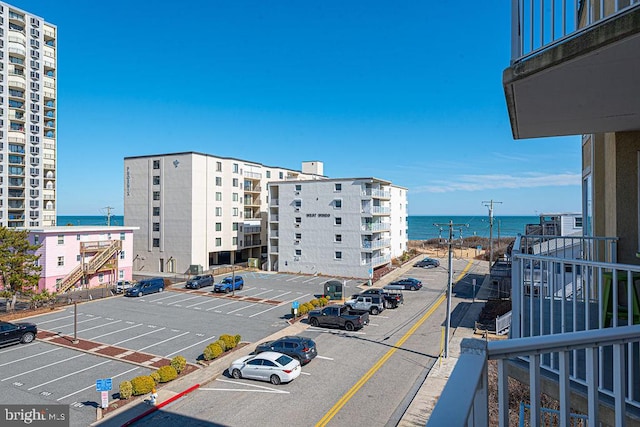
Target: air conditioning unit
297, 225
297, 209
296, 258
296, 242
296, 193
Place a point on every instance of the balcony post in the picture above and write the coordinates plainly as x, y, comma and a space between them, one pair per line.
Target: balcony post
516, 290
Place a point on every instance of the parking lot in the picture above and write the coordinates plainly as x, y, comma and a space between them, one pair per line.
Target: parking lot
174, 322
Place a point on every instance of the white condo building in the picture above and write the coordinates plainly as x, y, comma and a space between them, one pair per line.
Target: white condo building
28, 129
338, 227
195, 209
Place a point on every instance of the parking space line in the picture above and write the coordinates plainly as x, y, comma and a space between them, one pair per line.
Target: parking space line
277, 306
164, 341
175, 295
101, 326
241, 308
137, 336
68, 375
222, 305
183, 300
29, 357
324, 357
93, 385
260, 388
260, 293
192, 345
281, 295
42, 367
82, 321
203, 302
309, 280
54, 320
114, 332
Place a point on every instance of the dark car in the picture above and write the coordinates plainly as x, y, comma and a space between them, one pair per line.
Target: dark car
301, 348
198, 282
147, 286
17, 332
407, 284
427, 263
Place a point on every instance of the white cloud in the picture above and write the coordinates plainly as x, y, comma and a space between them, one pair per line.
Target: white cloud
498, 181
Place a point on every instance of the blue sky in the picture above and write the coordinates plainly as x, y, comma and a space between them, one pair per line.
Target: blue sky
408, 91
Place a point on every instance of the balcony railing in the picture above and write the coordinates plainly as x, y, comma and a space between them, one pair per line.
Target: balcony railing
376, 244
372, 192
375, 261
539, 24
376, 226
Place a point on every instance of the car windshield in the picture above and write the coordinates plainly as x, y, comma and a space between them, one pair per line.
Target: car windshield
226, 280
284, 360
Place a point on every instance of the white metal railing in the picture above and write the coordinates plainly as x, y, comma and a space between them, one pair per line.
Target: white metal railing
373, 192
376, 244
503, 323
374, 261
376, 226
273, 202
273, 218
464, 400
255, 175
539, 24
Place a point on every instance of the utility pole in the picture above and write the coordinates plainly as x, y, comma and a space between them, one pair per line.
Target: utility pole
108, 208
489, 204
449, 283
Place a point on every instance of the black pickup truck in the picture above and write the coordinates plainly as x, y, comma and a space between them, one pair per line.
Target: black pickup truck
340, 316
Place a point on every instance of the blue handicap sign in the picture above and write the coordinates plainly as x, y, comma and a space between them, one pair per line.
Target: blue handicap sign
295, 304
103, 384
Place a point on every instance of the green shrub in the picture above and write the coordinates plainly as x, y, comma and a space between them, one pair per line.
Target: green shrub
302, 310
155, 376
222, 344
178, 363
142, 385
125, 389
167, 373
237, 338
315, 303
212, 351
229, 341
309, 306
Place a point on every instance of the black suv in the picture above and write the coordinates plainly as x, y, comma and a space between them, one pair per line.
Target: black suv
17, 332
392, 298
301, 348
201, 281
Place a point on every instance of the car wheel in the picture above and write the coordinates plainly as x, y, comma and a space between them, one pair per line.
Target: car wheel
240, 287
275, 380
161, 289
413, 288
27, 338
236, 374
139, 293
227, 290
375, 311
349, 326
314, 322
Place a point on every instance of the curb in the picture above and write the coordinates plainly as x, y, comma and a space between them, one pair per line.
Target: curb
160, 405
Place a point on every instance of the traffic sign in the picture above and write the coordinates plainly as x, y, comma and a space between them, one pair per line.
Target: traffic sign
103, 384
105, 398
295, 305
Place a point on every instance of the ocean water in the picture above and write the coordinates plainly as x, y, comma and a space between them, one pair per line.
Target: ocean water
423, 228
420, 227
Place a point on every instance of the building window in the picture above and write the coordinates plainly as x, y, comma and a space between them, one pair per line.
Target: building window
156, 180
235, 211
156, 211
100, 277
338, 238
156, 226
156, 195
78, 258
235, 241
337, 187
234, 226
337, 221
281, 175
337, 204
298, 220
297, 203
60, 261
235, 197
121, 254
218, 211
156, 164
268, 174
218, 166
218, 241
577, 222
61, 239
78, 237
218, 196
121, 274
298, 252
298, 187
156, 243
121, 236
235, 168
338, 254
219, 181
36, 239
218, 226
298, 236
235, 182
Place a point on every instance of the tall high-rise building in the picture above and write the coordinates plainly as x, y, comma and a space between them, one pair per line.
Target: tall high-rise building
28, 130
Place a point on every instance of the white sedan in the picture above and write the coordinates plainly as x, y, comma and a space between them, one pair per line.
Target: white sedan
268, 366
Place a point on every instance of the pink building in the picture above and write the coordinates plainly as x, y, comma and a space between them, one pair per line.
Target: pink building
83, 256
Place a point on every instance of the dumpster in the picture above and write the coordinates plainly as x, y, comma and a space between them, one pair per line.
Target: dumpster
332, 290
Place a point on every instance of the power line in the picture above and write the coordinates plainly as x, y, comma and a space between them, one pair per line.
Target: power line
108, 208
489, 204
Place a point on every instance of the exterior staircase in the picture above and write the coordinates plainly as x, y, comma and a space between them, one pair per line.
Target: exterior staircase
104, 250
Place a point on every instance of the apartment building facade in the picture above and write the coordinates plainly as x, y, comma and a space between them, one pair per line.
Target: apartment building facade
200, 210
82, 256
28, 119
347, 227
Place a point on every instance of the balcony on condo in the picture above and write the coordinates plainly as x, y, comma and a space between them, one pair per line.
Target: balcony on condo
375, 226
573, 67
375, 244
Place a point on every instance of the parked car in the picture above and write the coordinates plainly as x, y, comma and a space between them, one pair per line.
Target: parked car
407, 284
146, 286
23, 332
392, 297
228, 284
200, 281
374, 304
427, 263
341, 316
123, 285
268, 366
301, 348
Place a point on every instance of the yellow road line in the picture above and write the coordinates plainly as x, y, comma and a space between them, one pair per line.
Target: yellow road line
353, 390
